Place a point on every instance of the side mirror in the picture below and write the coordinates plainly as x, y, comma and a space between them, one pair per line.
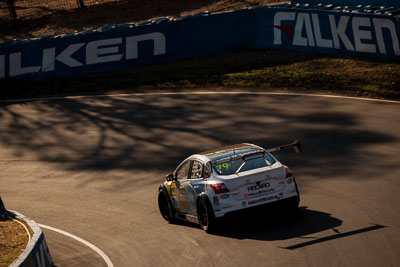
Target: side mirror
170, 177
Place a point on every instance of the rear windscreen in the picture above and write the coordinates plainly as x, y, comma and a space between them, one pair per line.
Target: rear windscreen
247, 163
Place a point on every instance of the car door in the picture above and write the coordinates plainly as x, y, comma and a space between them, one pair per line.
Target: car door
178, 187
195, 186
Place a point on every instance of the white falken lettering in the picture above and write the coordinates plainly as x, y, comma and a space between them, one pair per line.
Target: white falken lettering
307, 32
96, 51
16, 68
381, 24
132, 44
339, 31
321, 42
360, 35
65, 57
278, 18
303, 19
99, 51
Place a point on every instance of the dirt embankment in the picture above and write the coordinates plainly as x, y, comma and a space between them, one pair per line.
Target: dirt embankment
253, 70
96, 16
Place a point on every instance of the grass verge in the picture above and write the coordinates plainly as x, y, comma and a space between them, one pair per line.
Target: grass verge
13, 240
264, 70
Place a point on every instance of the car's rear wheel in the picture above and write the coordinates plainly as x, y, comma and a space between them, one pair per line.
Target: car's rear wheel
292, 204
205, 216
165, 208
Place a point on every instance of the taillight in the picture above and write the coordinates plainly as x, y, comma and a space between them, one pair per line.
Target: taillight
219, 188
288, 172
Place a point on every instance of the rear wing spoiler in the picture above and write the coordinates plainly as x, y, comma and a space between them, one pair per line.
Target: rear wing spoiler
296, 146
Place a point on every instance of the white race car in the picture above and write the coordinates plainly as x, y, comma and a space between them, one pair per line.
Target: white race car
208, 185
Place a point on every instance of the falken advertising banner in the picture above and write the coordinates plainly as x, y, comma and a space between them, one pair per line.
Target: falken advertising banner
128, 45
334, 32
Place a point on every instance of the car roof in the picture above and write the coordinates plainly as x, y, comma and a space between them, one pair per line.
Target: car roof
230, 151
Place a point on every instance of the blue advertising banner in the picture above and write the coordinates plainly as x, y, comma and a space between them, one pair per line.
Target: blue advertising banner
352, 34
123, 46
128, 45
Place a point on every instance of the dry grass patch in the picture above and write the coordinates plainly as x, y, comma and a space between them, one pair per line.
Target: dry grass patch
254, 70
13, 240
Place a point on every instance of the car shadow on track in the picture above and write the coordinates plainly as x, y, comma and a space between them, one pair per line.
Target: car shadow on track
274, 224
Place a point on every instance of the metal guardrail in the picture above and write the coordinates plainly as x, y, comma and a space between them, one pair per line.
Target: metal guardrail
359, 9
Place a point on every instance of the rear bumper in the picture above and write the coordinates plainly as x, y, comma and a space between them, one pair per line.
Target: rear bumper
259, 209
279, 198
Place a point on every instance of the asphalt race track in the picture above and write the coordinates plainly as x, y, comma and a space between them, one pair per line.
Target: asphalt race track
92, 166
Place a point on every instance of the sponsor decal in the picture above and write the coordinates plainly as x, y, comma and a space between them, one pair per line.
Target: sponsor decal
225, 166
261, 200
352, 33
95, 52
240, 155
260, 192
225, 196
258, 186
198, 187
246, 195
216, 203
244, 204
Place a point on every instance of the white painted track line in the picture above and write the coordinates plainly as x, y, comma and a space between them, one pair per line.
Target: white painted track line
197, 93
26, 228
77, 238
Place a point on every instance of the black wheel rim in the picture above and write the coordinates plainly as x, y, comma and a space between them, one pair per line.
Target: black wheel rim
203, 216
164, 207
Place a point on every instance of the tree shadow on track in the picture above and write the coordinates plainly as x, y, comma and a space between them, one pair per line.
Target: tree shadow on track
155, 133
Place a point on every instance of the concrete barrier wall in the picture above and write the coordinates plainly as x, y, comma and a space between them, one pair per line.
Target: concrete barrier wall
36, 253
129, 45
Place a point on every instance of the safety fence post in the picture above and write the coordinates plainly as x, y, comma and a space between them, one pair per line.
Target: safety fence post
3, 211
11, 9
81, 4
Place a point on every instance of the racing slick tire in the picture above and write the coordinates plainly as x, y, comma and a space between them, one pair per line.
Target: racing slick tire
293, 204
166, 210
205, 215
292, 207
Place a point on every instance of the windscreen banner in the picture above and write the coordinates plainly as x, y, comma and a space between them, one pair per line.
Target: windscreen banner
128, 45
